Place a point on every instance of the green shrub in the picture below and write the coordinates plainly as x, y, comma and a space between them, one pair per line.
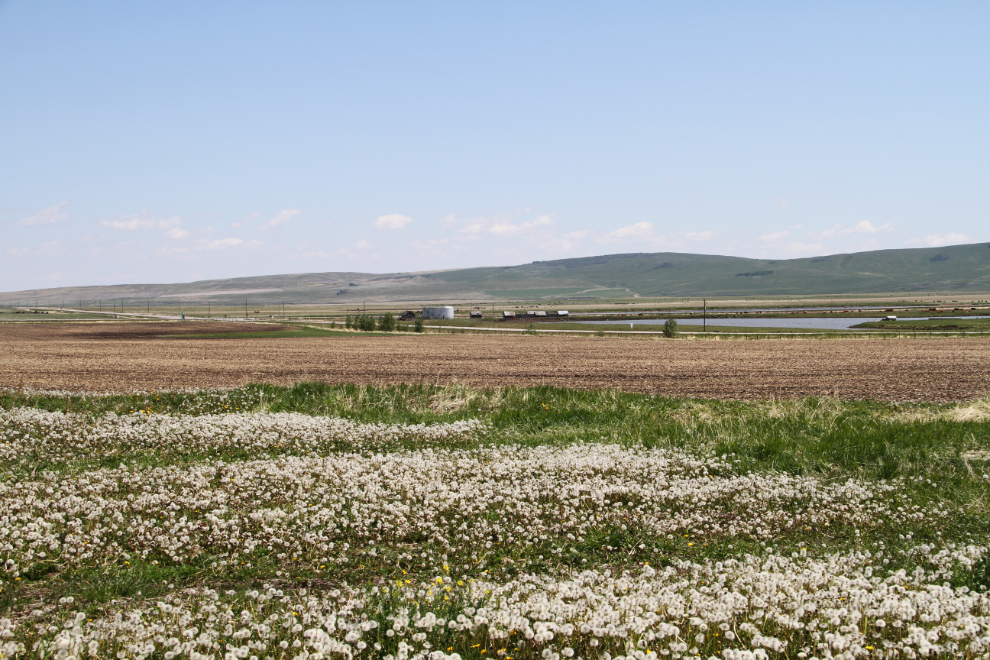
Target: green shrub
347, 322
419, 326
670, 328
387, 322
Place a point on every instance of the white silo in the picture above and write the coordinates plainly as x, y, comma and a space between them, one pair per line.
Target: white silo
446, 312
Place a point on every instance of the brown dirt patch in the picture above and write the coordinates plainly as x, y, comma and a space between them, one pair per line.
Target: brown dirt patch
111, 357
111, 330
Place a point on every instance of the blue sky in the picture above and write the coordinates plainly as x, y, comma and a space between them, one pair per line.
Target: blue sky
174, 141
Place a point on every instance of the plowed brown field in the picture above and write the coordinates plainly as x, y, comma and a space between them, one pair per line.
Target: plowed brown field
121, 357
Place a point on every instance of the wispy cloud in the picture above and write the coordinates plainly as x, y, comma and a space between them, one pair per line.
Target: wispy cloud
644, 235
280, 219
638, 230
226, 244
498, 225
393, 221
774, 237
142, 220
45, 249
248, 218
186, 250
46, 216
934, 240
864, 227
780, 201
512, 229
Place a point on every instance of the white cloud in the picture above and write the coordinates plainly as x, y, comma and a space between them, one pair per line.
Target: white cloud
248, 218
142, 220
362, 245
934, 240
46, 216
776, 236
638, 231
864, 227
45, 249
177, 234
280, 219
512, 229
498, 226
393, 221
226, 244
867, 227
577, 235
700, 235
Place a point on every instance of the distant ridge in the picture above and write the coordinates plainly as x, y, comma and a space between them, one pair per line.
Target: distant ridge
959, 268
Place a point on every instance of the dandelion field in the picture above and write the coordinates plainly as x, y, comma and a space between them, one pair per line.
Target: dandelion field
323, 521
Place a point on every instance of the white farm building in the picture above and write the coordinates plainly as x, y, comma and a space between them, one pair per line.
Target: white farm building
446, 312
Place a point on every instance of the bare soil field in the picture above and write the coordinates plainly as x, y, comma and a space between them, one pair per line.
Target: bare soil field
122, 357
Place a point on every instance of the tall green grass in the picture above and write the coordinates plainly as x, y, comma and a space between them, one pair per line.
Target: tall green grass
807, 436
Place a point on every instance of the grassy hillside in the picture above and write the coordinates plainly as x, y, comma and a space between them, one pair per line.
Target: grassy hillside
957, 268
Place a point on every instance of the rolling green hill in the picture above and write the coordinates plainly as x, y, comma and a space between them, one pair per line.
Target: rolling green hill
956, 268
960, 268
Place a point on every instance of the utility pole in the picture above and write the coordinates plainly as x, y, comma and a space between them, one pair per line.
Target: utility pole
245, 308
704, 323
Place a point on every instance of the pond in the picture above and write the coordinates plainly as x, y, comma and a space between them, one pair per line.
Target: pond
802, 323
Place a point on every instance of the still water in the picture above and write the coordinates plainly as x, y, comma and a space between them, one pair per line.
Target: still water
809, 324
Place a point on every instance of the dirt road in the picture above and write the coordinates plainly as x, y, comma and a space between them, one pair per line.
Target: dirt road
121, 357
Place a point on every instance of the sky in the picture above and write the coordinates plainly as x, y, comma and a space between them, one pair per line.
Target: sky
180, 141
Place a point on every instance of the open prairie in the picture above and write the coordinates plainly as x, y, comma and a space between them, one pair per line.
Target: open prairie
531, 510
126, 357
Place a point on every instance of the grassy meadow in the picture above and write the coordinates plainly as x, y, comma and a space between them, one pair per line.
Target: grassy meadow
530, 523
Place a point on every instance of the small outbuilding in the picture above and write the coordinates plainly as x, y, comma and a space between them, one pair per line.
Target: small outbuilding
508, 315
476, 315
562, 312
